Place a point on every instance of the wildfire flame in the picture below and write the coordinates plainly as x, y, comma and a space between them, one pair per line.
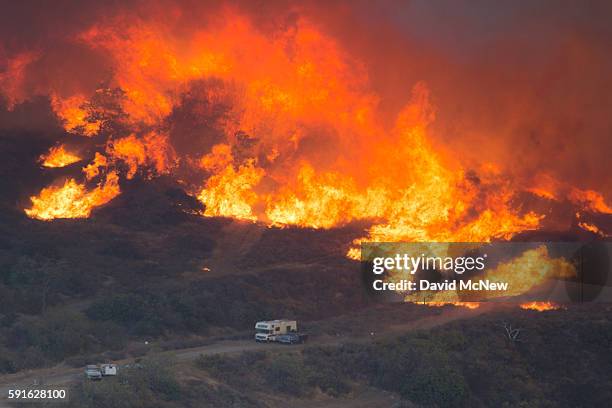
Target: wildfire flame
530, 269
71, 111
540, 306
92, 170
58, 156
228, 193
592, 200
591, 228
300, 137
72, 200
522, 274
151, 151
467, 305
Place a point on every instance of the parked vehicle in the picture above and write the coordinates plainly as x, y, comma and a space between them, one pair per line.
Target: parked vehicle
108, 369
291, 338
268, 331
92, 372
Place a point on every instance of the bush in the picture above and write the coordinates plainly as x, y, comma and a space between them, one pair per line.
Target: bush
8, 362
160, 377
329, 382
104, 394
61, 335
439, 387
286, 374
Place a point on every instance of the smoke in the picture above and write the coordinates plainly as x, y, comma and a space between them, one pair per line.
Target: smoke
524, 85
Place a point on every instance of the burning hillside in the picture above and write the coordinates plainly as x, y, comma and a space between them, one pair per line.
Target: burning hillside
278, 123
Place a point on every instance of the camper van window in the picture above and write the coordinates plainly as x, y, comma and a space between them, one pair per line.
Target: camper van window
263, 331
277, 328
288, 328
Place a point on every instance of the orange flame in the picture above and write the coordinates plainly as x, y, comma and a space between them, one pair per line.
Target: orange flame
523, 273
529, 270
74, 117
546, 186
153, 150
467, 305
218, 159
592, 200
591, 228
540, 306
72, 200
318, 152
93, 169
228, 193
58, 156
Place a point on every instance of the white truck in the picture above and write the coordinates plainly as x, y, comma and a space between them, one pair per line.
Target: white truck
268, 331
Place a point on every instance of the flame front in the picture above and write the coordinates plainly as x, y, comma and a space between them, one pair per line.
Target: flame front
229, 193
286, 129
540, 306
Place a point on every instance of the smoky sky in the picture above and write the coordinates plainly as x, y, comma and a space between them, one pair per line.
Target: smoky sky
524, 84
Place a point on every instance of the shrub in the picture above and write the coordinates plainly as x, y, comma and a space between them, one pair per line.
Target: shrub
440, 387
286, 374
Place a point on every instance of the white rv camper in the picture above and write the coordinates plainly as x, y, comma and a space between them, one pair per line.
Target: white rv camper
267, 331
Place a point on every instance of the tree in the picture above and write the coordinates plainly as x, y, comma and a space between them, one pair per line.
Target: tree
513, 335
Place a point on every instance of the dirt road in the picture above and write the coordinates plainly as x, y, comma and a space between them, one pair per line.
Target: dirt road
63, 376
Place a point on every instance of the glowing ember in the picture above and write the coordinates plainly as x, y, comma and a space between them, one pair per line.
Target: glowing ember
58, 156
72, 200
540, 306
